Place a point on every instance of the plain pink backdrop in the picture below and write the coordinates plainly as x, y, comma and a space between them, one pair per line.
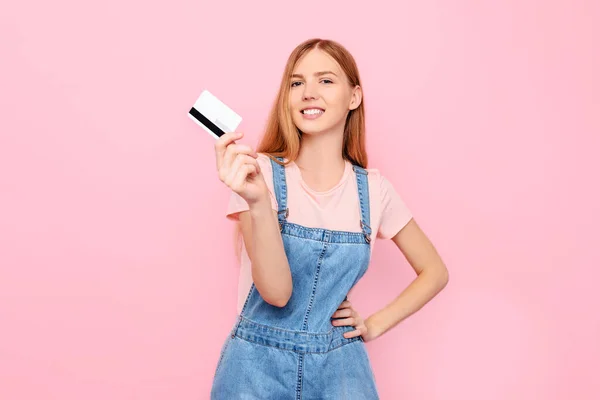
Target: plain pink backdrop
117, 276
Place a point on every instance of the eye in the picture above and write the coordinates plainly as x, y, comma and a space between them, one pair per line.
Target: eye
294, 83
327, 81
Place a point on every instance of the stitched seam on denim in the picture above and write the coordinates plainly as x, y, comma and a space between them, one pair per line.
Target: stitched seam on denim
248, 298
347, 341
280, 187
275, 329
315, 283
293, 225
311, 334
341, 338
361, 242
351, 340
266, 344
299, 381
360, 170
363, 197
356, 240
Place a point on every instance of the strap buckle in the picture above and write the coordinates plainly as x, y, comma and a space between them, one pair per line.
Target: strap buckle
286, 213
366, 232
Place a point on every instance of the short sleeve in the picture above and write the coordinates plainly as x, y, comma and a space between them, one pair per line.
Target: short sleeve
237, 204
394, 212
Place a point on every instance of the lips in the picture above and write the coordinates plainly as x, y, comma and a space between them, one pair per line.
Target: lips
312, 110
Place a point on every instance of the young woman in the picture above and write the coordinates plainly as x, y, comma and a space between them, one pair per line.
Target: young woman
309, 212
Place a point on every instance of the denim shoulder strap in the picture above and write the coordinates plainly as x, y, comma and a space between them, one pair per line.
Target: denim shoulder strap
363, 197
280, 187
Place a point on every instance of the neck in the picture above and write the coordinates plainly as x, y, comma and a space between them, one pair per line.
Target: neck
320, 159
320, 151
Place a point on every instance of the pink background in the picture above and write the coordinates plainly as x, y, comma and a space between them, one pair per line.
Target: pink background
117, 276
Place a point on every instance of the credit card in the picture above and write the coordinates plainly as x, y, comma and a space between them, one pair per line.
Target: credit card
213, 115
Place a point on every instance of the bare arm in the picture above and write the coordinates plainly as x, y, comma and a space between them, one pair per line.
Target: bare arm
270, 269
432, 277
240, 171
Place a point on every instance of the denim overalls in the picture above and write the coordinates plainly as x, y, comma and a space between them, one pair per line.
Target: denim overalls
294, 352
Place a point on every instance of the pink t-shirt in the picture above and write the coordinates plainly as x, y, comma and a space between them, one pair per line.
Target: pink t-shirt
336, 209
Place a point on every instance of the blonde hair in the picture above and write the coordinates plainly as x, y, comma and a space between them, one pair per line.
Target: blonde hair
282, 138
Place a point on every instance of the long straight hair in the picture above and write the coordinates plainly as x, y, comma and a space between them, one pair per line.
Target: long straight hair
282, 138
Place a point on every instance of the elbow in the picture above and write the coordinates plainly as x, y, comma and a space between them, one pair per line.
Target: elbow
277, 298
276, 290
438, 276
445, 277
279, 302
281, 299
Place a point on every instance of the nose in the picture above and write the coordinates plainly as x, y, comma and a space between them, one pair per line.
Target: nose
310, 92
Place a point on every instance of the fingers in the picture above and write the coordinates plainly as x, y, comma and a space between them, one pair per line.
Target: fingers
344, 312
357, 332
242, 167
232, 157
233, 151
240, 179
345, 304
352, 318
226, 149
222, 143
238, 161
343, 322
349, 317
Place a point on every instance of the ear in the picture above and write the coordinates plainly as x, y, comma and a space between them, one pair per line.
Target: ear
356, 98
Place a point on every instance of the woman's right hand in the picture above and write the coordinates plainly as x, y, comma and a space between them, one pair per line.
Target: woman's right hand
239, 169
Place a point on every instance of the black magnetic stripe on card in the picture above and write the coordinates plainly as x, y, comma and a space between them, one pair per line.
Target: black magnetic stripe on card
206, 122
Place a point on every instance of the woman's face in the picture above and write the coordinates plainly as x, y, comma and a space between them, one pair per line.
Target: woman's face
320, 95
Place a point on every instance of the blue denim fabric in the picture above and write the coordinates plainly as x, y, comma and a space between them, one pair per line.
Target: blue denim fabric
294, 352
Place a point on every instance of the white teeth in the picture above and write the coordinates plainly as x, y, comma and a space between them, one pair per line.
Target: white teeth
312, 111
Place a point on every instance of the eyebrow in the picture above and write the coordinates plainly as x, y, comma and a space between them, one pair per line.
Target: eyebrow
316, 74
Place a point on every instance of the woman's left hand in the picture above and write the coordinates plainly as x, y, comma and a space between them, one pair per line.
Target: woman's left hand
350, 317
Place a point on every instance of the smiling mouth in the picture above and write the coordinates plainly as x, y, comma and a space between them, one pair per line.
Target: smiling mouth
312, 111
